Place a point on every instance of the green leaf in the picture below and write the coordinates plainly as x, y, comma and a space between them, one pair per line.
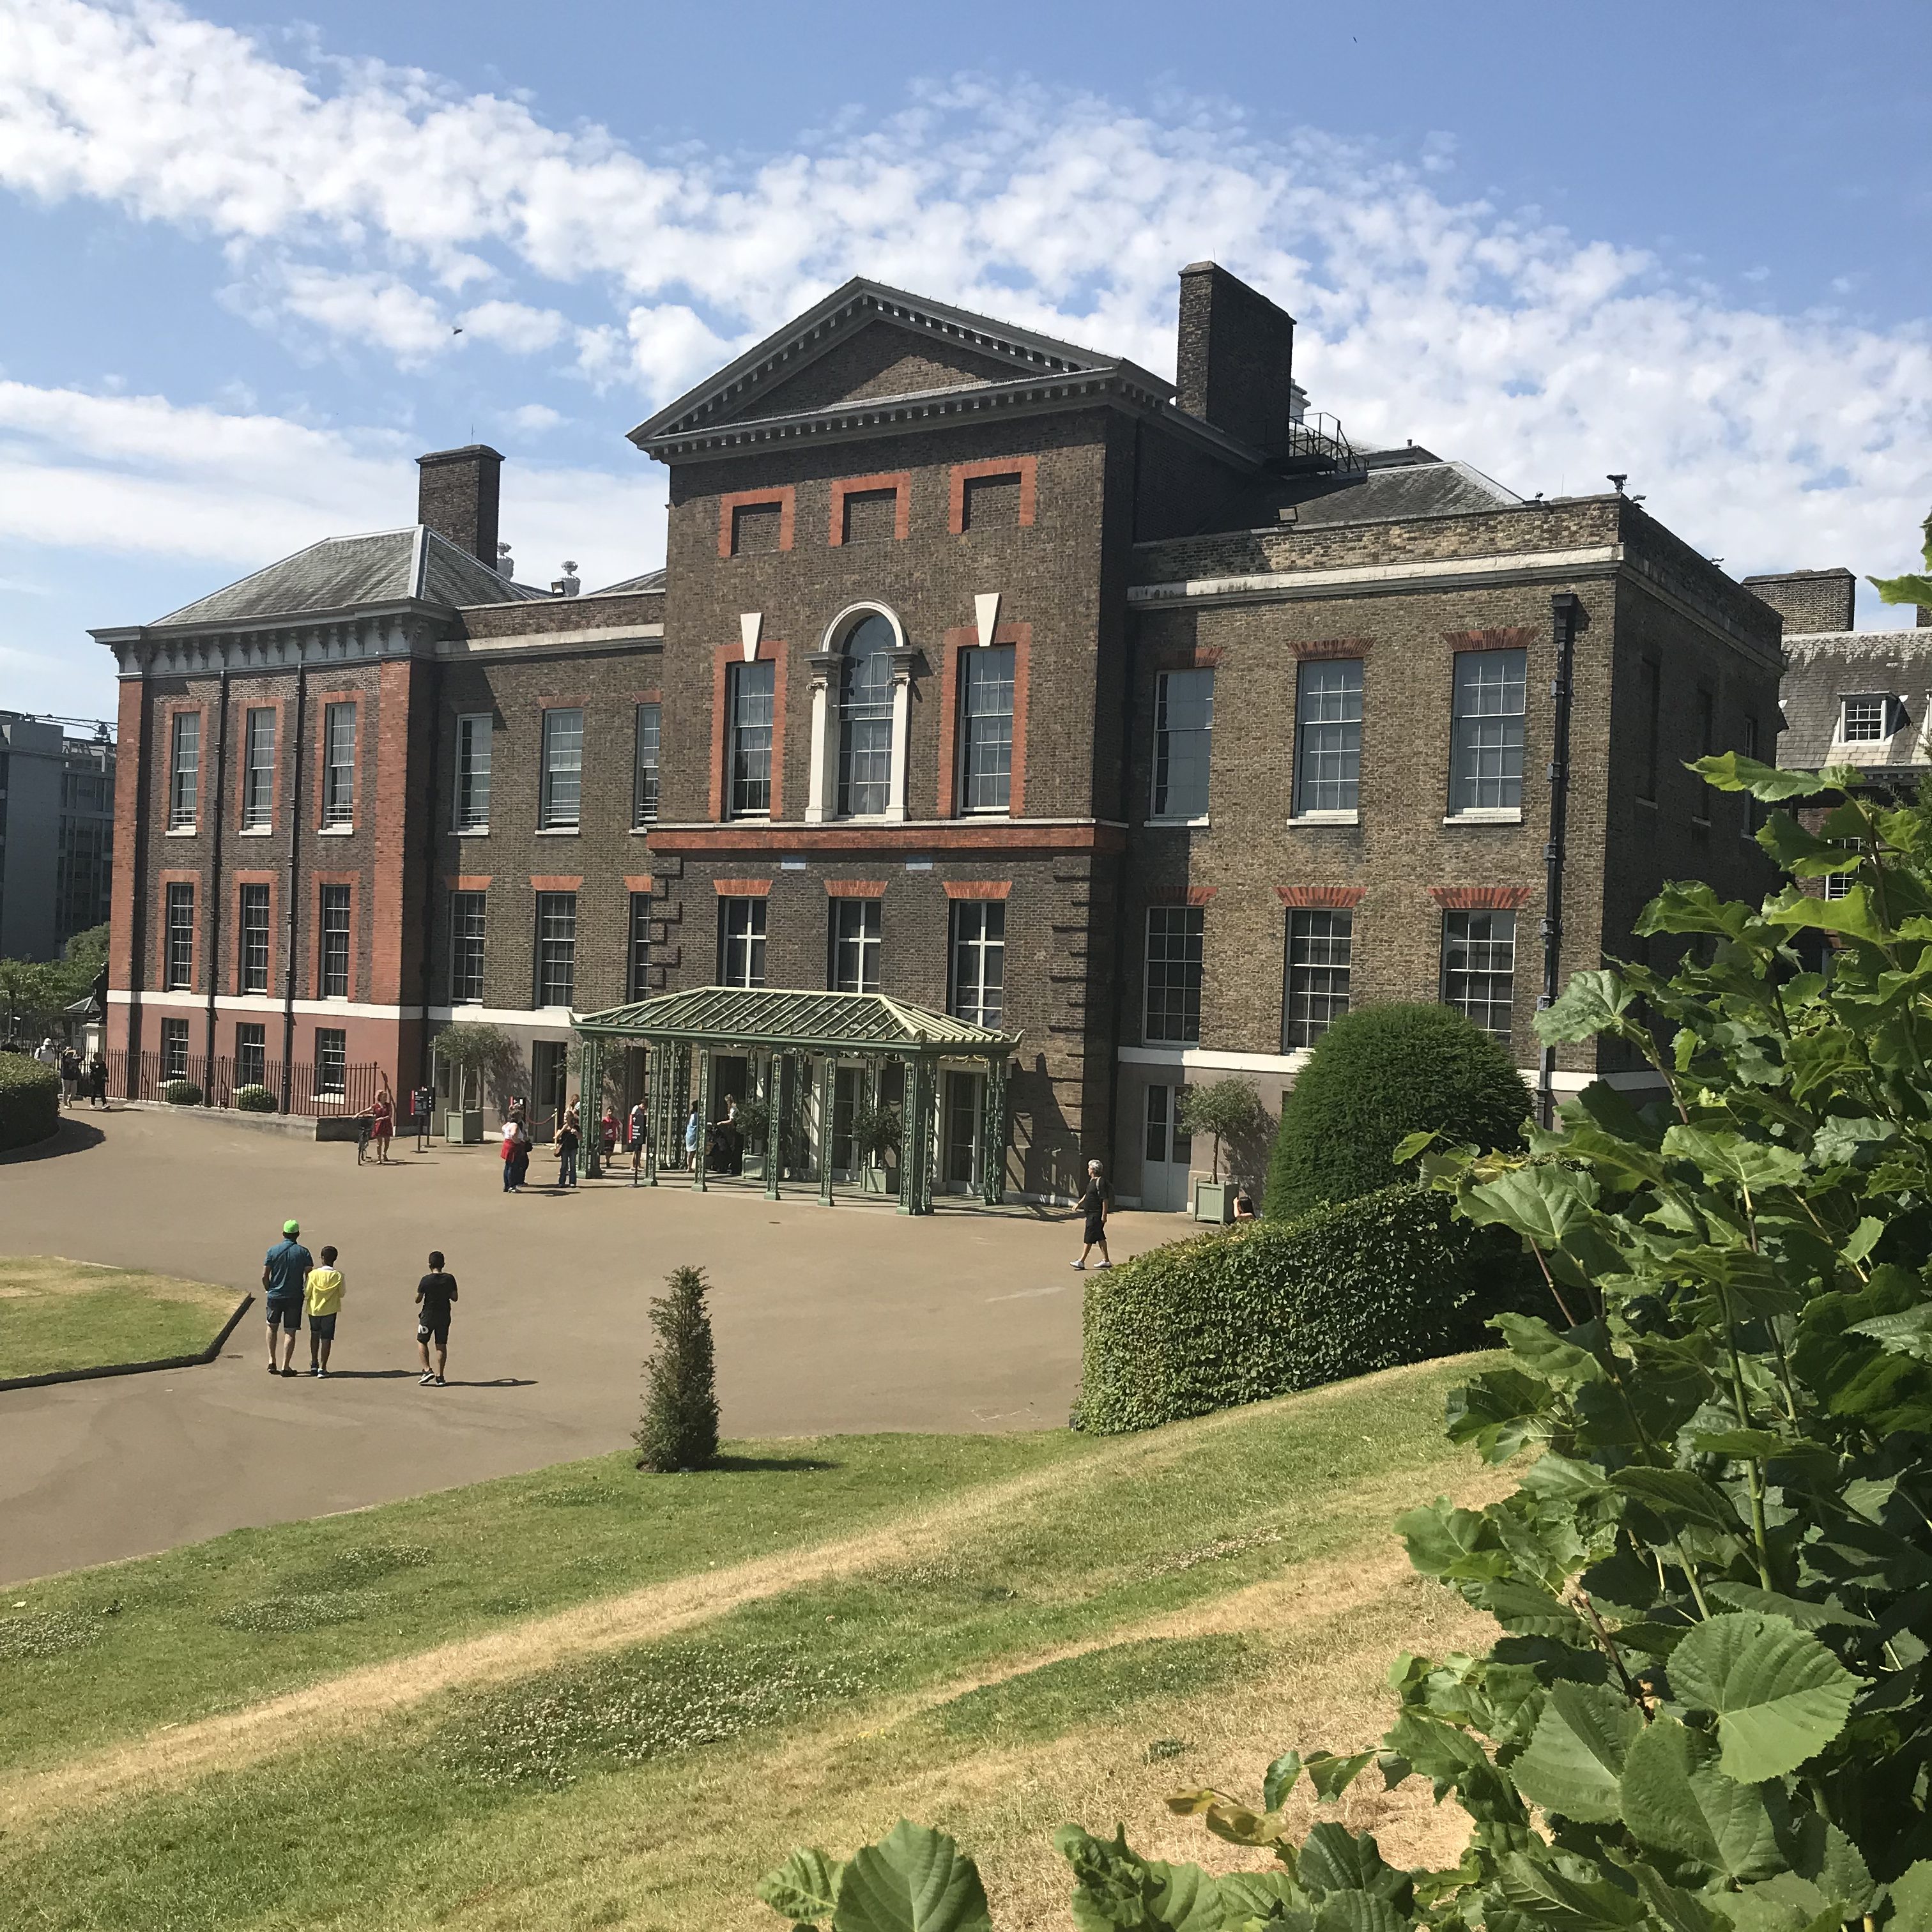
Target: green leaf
1541, 1202
1731, 771
1799, 912
1331, 1775
1593, 1003
1358, 1912
1535, 1344
1806, 1616
805, 1888
1908, 1333
1780, 1696
1674, 1798
1411, 1145
1335, 1859
1912, 1899
1499, 1411
1836, 1144
1550, 1897
1445, 1541
1818, 1851
1270, 1897
1912, 588
915, 1879
1727, 1157
1693, 907
1279, 1779
1575, 1758
1679, 1496
1785, 1902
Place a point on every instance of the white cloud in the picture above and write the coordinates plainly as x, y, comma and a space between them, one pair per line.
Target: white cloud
514, 326
1545, 358
534, 417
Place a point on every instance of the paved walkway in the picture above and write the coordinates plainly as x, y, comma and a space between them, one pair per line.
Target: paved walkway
848, 1319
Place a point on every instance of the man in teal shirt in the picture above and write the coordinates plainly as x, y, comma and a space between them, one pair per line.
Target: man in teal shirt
284, 1280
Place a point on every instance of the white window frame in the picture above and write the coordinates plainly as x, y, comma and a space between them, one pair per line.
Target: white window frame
753, 939
866, 944
1489, 972
183, 772
550, 817
967, 992
458, 907
1883, 700
826, 666
1001, 807
258, 774
644, 796
465, 816
1324, 730
735, 679
338, 779
1460, 750
1160, 808
1193, 923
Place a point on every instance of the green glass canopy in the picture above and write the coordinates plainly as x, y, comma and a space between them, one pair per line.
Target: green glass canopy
856, 1023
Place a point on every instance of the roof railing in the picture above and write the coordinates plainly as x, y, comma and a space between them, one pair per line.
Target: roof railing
1316, 443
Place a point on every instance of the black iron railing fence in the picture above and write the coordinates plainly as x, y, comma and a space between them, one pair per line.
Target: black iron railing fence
314, 1091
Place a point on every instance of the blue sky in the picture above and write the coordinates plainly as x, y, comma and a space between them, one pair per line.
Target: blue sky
1684, 241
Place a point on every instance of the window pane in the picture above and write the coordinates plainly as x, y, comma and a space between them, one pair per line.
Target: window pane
1328, 735
1865, 720
866, 720
563, 767
979, 960
334, 943
1183, 727
255, 939
644, 797
332, 1060
251, 1054
637, 973
178, 965
557, 948
1487, 759
741, 942
473, 773
1479, 967
1174, 974
1156, 1142
174, 1049
185, 770
751, 752
258, 776
1320, 945
338, 776
986, 748
466, 946
855, 946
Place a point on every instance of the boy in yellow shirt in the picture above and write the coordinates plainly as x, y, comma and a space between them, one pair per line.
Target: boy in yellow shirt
324, 1295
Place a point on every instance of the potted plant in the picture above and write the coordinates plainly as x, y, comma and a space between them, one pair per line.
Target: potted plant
475, 1053
754, 1117
877, 1133
1227, 1110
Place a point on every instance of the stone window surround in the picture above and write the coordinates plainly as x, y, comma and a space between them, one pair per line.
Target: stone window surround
168, 714
1193, 657
897, 481
964, 638
242, 829
320, 702
825, 664
1026, 468
273, 881
158, 975
453, 884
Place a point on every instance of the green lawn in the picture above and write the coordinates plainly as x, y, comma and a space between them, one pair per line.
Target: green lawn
649, 1786
58, 1315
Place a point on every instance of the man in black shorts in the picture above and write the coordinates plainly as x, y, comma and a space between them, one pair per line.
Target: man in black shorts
434, 1293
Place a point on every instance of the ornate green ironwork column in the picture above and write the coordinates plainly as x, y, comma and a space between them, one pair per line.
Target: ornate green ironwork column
774, 1097
828, 1069
698, 1167
915, 1149
590, 1117
653, 1071
993, 1134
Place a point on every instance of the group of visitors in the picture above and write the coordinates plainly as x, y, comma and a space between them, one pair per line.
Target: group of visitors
517, 1143
293, 1285
76, 1077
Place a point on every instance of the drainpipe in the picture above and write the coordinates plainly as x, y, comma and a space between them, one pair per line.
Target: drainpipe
143, 781
290, 926
1123, 805
431, 845
1565, 609
214, 884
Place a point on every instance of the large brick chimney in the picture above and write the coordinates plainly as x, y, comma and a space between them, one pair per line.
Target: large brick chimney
1235, 360
1809, 600
456, 496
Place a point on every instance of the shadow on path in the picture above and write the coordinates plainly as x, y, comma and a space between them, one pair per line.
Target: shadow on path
71, 1136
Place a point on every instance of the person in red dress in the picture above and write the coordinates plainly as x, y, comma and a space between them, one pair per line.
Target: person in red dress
382, 1122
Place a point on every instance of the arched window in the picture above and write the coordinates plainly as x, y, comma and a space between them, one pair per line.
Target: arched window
865, 718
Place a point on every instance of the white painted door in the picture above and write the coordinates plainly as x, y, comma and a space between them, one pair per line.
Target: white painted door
1164, 1153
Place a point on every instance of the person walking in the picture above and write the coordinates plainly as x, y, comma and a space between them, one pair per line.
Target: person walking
434, 1293
566, 1144
70, 1077
422, 1104
1093, 1206
640, 1127
97, 1081
514, 1139
325, 1303
693, 1132
285, 1272
383, 1121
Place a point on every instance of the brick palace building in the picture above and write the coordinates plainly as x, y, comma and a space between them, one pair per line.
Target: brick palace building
1148, 720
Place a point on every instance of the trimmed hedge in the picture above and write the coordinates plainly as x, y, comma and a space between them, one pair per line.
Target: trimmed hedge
255, 1100
1377, 1075
1245, 1313
182, 1093
29, 1100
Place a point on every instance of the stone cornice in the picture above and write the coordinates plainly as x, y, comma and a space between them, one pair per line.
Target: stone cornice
309, 640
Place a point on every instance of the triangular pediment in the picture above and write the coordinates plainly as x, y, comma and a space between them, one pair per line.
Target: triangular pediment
867, 342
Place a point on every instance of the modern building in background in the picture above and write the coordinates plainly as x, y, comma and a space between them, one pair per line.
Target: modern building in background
1151, 721
56, 832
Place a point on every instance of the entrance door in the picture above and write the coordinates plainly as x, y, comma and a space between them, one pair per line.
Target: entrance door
848, 1089
965, 1112
1164, 1153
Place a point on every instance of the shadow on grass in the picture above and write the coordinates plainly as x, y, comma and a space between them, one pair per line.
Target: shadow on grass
770, 1464
71, 1136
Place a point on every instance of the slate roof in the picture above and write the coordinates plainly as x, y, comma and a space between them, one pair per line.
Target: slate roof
341, 573
1823, 667
651, 579
1393, 486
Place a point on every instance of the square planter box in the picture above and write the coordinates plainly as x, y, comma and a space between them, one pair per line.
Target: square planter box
463, 1127
1214, 1202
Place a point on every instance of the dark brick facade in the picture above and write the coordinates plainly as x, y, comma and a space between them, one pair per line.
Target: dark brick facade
885, 456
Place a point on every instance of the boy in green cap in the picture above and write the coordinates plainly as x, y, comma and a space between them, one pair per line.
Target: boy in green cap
284, 1283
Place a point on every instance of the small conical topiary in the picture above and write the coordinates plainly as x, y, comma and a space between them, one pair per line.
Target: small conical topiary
680, 1429
1377, 1075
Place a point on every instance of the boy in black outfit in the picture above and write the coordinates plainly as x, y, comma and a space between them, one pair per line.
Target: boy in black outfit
434, 1293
